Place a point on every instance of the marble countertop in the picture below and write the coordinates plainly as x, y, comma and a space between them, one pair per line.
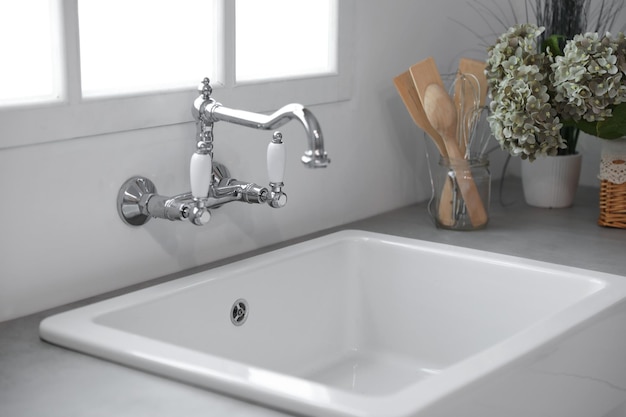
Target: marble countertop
39, 379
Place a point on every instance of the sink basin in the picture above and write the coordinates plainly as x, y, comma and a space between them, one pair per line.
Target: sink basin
363, 324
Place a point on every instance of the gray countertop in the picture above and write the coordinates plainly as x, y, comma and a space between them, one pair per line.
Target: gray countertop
39, 379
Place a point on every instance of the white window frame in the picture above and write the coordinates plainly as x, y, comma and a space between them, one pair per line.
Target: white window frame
76, 117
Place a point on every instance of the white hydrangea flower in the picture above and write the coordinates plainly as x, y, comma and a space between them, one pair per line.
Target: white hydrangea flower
588, 80
522, 117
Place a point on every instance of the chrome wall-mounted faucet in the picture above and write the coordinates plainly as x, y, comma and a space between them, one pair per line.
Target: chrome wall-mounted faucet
211, 184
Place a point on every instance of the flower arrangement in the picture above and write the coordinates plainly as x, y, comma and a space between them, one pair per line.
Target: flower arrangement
562, 20
537, 89
522, 119
590, 84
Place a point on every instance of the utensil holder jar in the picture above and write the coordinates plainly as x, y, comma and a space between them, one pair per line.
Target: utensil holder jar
452, 178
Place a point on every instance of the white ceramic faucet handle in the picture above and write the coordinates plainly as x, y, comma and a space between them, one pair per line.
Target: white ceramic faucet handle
200, 173
276, 159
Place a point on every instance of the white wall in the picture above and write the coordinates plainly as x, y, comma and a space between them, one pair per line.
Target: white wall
62, 239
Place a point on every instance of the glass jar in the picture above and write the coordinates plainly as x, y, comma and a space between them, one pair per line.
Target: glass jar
461, 193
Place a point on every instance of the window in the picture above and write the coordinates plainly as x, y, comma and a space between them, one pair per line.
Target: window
309, 37
33, 46
96, 67
151, 46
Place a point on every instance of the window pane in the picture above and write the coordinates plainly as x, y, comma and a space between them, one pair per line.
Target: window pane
29, 49
285, 38
146, 45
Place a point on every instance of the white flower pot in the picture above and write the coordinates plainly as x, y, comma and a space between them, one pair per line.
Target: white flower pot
551, 181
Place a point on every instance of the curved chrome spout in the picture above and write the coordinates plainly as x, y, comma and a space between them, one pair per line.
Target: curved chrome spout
314, 156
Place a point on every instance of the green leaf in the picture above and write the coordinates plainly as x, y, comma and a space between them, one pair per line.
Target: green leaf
555, 43
612, 128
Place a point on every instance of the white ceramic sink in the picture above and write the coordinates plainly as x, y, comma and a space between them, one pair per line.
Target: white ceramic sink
364, 324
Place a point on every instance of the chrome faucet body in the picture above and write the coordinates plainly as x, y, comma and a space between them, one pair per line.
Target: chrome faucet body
314, 156
211, 184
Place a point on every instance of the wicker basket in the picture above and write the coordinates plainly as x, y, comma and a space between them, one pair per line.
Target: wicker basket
612, 205
613, 184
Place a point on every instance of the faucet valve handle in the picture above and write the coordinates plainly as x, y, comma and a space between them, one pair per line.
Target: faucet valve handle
276, 158
201, 171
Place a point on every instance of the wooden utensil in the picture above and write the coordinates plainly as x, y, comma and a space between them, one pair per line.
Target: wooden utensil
406, 88
440, 111
425, 73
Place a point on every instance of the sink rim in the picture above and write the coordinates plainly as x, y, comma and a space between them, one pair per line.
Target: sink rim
317, 397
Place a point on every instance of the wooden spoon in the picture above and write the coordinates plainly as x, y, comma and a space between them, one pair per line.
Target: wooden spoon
408, 93
439, 109
425, 73
406, 88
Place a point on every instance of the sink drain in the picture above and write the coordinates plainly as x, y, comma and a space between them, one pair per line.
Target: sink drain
239, 312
